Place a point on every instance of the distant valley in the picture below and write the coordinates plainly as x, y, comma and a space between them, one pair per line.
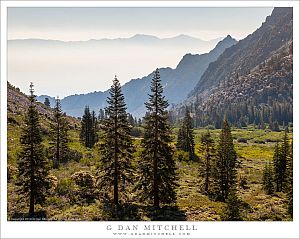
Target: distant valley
249, 81
177, 83
81, 67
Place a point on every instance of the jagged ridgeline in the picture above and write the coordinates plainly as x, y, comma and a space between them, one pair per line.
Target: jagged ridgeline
251, 82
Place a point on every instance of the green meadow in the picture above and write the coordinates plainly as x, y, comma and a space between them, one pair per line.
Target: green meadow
253, 146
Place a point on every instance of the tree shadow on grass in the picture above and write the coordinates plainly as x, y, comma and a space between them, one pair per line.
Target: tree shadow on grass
38, 216
137, 212
125, 212
165, 213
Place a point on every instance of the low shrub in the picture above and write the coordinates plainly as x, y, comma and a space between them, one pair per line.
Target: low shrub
271, 140
53, 183
11, 172
243, 182
259, 141
83, 179
181, 155
242, 140
85, 182
65, 187
74, 155
136, 132
12, 120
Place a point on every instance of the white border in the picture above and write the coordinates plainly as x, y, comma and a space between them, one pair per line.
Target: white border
98, 229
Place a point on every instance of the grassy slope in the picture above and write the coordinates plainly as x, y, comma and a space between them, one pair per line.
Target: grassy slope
191, 204
252, 156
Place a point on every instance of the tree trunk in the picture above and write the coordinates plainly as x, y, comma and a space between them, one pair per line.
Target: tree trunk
31, 205
116, 195
155, 181
32, 185
56, 163
207, 168
206, 178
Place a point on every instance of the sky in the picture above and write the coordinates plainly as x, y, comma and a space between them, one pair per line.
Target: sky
94, 23
82, 24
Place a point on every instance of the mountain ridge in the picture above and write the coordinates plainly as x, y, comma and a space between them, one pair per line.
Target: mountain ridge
177, 83
252, 81
136, 36
263, 47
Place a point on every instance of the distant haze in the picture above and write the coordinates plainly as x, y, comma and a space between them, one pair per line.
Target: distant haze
84, 65
63, 68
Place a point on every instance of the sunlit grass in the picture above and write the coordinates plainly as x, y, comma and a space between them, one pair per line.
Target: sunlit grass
252, 155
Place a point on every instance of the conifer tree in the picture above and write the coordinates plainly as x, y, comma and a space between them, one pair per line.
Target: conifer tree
135, 121
88, 132
32, 165
226, 162
185, 137
59, 136
101, 115
280, 158
47, 102
284, 153
276, 126
207, 148
157, 167
131, 120
268, 179
86, 127
116, 147
140, 122
232, 210
289, 181
276, 166
94, 137
180, 139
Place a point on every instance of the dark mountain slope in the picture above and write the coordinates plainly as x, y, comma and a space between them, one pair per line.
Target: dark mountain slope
177, 83
251, 82
265, 95
251, 51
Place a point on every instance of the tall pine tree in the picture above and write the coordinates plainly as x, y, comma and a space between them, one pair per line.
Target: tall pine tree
268, 179
32, 165
94, 136
47, 102
116, 147
284, 154
185, 139
180, 139
157, 167
101, 115
226, 162
276, 166
59, 136
207, 148
280, 158
88, 132
231, 211
289, 181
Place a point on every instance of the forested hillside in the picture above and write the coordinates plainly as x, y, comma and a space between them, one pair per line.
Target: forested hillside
251, 82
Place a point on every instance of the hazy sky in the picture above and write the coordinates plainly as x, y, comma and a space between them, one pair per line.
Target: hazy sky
84, 69
87, 23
